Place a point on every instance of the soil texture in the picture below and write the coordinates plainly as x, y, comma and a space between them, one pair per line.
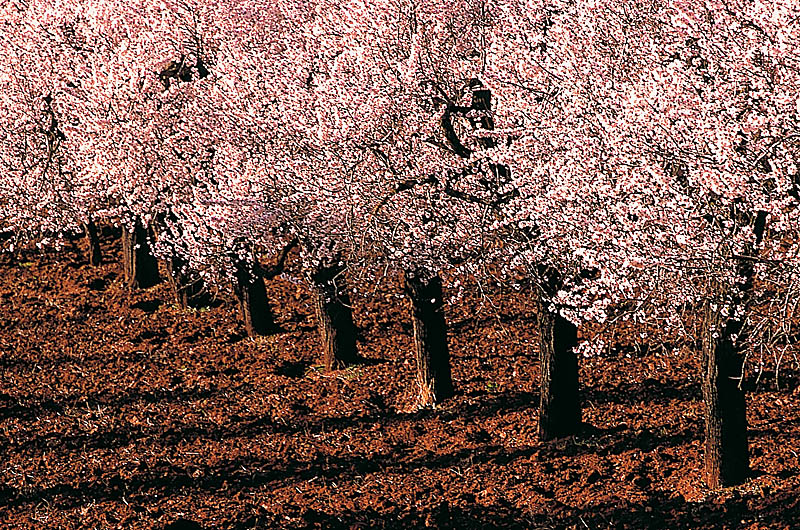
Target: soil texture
120, 410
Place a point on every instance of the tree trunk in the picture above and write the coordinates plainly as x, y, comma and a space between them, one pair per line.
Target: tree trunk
140, 267
434, 380
559, 404
188, 289
334, 318
8, 248
253, 303
559, 396
727, 459
95, 251
726, 455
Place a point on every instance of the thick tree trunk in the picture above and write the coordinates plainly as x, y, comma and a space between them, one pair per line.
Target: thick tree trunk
727, 459
253, 304
434, 380
334, 318
559, 404
95, 251
726, 455
559, 393
140, 267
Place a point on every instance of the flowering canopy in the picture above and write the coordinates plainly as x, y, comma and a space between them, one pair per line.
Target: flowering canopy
628, 144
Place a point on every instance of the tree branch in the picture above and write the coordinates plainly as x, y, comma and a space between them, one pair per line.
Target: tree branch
274, 270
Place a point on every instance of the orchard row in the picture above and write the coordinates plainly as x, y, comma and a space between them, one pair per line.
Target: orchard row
633, 160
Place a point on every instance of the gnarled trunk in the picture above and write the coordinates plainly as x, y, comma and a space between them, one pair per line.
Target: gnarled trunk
253, 304
434, 380
95, 251
559, 404
140, 267
334, 318
727, 459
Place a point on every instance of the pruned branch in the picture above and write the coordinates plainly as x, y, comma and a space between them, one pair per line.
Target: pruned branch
276, 269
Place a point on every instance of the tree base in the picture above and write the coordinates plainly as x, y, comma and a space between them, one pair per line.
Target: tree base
95, 250
253, 303
727, 459
559, 406
140, 267
188, 289
434, 379
335, 318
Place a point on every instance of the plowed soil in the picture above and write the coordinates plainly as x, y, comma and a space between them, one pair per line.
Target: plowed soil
120, 410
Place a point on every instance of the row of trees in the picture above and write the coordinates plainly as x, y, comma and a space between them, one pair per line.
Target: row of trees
631, 160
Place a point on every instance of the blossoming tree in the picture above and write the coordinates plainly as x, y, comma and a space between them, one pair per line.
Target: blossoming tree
657, 151
635, 161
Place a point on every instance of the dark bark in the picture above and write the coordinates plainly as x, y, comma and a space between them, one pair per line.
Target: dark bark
727, 459
95, 251
278, 267
434, 380
559, 401
140, 267
334, 318
8, 249
726, 453
253, 303
559, 404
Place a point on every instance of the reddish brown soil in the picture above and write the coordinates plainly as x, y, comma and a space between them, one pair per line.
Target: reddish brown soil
121, 411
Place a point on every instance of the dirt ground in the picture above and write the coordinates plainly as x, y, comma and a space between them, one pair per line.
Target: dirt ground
120, 410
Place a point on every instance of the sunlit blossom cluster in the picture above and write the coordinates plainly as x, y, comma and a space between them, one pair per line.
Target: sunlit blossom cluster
627, 144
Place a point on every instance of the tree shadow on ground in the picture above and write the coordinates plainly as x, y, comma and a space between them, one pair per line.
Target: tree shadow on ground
30, 408
247, 426
293, 369
237, 474
148, 306
442, 516
660, 510
618, 440
474, 407
244, 473
646, 391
